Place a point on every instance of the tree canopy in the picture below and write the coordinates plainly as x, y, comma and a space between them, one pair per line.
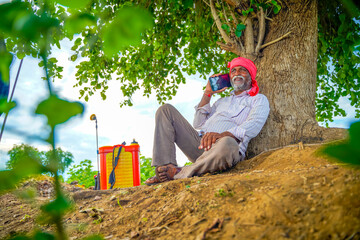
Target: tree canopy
154, 46
23, 151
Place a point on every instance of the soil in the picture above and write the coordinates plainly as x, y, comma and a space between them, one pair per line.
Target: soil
289, 193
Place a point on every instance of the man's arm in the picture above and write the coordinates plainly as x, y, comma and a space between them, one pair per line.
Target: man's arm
205, 99
202, 114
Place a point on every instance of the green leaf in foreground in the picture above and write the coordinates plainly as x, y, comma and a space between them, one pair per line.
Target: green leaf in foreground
19, 20
6, 106
348, 151
74, 4
126, 29
77, 23
5, 62
57, 208
354, 135
58, 110
28, 166
43, 236
11, 15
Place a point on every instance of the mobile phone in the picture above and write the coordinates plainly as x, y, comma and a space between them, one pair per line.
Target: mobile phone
219, 82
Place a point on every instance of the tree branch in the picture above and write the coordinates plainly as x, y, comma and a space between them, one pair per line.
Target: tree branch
206, 3
274, 41
261, 19
249, 36
233, 3
218, 23
231, 48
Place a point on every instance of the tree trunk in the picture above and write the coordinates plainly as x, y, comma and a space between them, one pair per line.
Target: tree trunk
287, 76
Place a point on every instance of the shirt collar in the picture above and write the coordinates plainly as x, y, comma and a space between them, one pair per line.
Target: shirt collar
244, 93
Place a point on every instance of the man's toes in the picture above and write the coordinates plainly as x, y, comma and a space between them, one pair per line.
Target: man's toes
163, 178
162, 169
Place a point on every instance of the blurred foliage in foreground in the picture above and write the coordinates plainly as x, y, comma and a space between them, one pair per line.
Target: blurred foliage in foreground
33, 28
347, 151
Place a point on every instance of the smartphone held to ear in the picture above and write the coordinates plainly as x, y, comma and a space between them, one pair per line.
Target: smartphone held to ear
219, 82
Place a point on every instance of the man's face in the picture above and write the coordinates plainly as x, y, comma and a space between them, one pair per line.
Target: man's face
240, 78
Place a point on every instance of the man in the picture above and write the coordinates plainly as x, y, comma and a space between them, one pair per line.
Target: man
227, 127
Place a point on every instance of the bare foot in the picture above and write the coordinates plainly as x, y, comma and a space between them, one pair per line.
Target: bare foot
166, 173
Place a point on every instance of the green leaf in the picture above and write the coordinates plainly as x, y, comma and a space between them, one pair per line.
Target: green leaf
58, 110
75, 4
239, 28
354, 135
126, 29
5, 62
19, 20
344, 153
26, 166
277, 7
188, 3
43, 236
349, 151
226, 28
6, 106
73, 57
57, 207
11, 13
77, 23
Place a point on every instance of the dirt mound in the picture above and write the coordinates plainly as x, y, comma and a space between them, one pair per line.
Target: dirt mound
285, 194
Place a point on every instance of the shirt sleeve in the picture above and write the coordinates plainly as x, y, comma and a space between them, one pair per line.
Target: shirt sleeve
255, 121
203, 113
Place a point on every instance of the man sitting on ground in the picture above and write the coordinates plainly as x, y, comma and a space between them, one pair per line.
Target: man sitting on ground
227, 127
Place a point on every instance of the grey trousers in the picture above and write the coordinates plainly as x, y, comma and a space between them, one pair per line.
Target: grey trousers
171, 127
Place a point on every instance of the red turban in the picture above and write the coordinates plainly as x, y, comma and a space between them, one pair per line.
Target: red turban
250, 66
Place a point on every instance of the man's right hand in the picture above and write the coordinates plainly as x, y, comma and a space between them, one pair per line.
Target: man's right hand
208, 92
208, 89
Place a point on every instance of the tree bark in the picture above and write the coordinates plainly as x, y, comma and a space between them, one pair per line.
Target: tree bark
287, 75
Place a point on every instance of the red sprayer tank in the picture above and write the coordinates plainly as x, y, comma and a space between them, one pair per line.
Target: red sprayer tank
127, 171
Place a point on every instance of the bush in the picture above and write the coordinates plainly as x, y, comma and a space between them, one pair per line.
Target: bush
146, 170
82, 173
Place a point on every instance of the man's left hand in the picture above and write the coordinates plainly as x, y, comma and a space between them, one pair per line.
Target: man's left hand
210, 138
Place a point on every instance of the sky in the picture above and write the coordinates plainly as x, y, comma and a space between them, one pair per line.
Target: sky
78, 135
115, 124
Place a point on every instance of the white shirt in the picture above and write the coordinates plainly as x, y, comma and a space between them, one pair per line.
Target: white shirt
242, 115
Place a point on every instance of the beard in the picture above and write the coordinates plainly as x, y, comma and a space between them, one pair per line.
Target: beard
240, 83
